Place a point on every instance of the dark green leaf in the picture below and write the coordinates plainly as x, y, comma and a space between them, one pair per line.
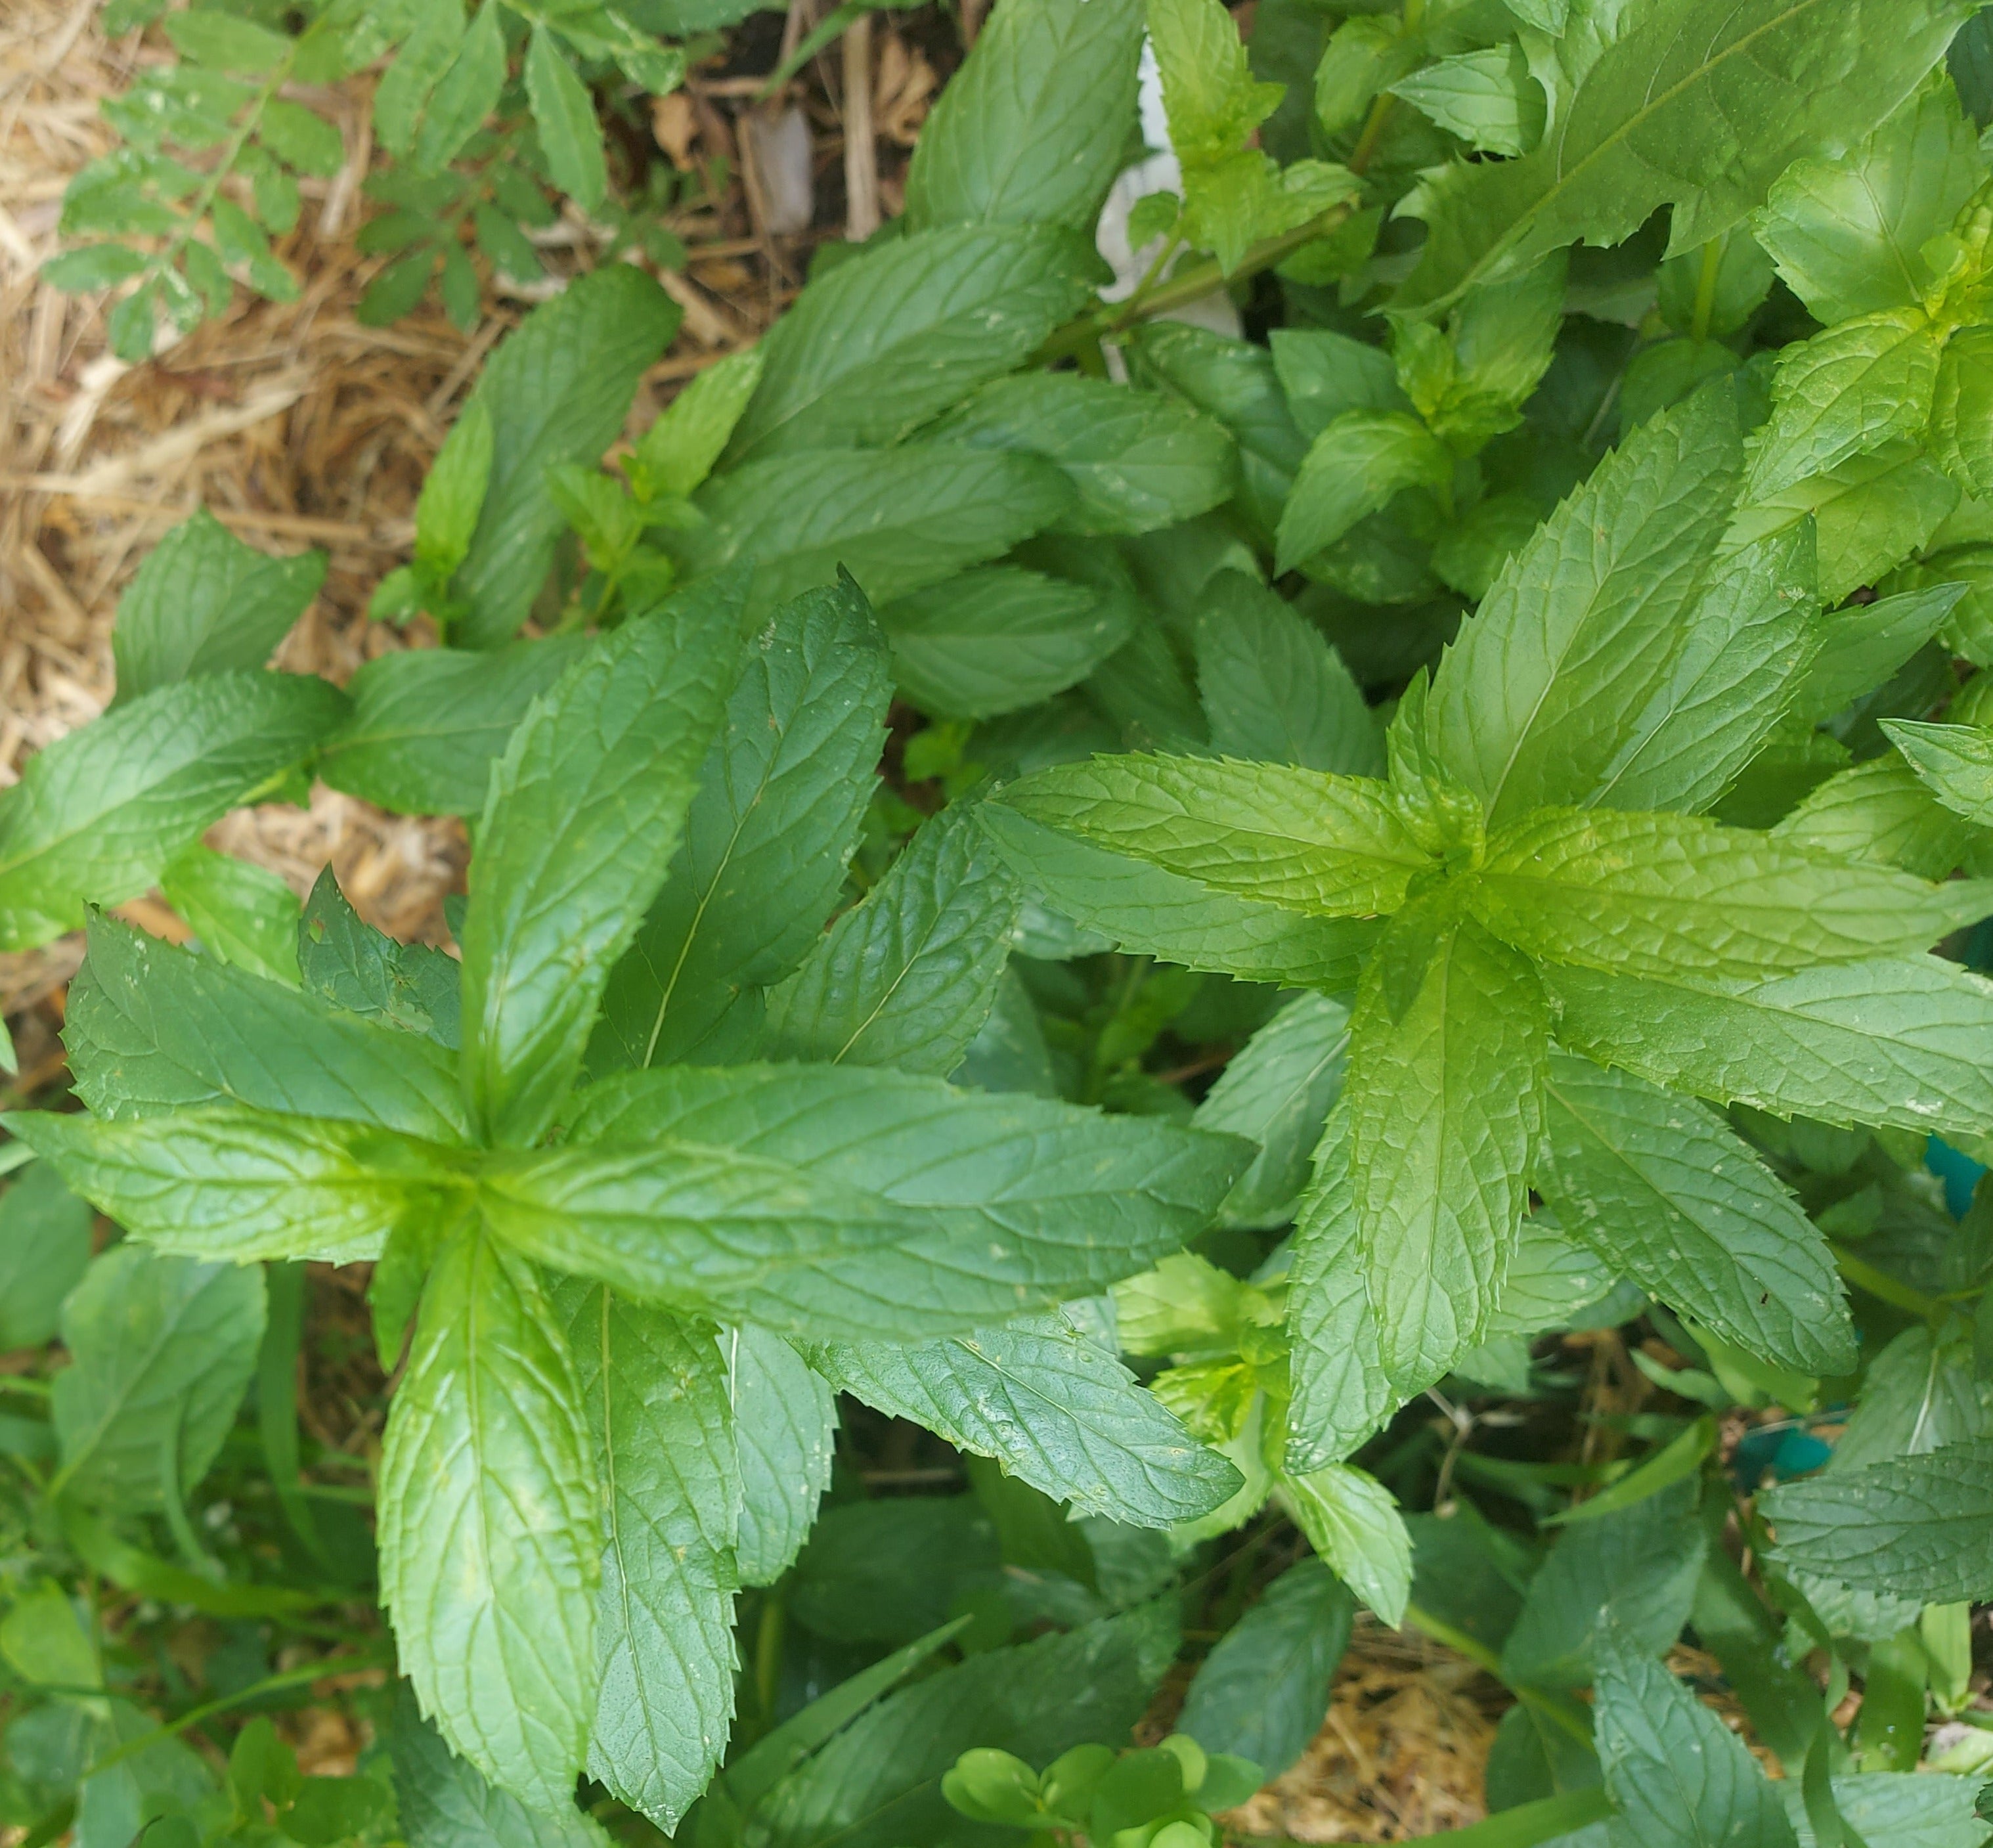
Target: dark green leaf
464, 95
355, 968
784, 1426
44, 1245
564, 113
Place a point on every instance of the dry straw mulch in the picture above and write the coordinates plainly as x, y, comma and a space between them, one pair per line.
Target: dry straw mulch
297, 425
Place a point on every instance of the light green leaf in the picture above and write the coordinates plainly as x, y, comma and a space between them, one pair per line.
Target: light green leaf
444, 1802
1677, 895
1341, 1392
877, 347
152, 1029
1954, 762
161, 1350
1035, 125
1673, 1199
1961, 426
1880, 809
1634, 1570
1900, 1041
454, 492
780, 797
677, 452
1276, 1090
221, 1181
44, 1245
1138, 460
301, 138
1212, 102
1445, 1090
97, 813
203, 603
1263, 1692
586, 810
425, 56
1486, 98
1918, 1394
907, 977
844, 1203
1844, 393
1914, 1527
464, 95
653, 1388
1865, 643
1058, 1411
245, 914
1896, 1810
1697, 104
998, 638
1353, 1522
898, 519
1331, 845
1548, 688
1847, 234
224, 43
564, 113
1154, 912
489, 1528
1551, 1279
1355, 467
785, 1428
557, 391
1323, 374
1273, 688
428, 724
1679, 1778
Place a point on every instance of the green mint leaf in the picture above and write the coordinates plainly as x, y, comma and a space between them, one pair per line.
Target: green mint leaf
1545, 690
1865, 643
1262, 1692
1486, 98
1154, 912
1891, 1042
1666, 895
245, 915
203, 603
494, 1615
98, 813
781, 795
898, 519
1697, 104
1000, 637
465, 93
405, 89
1551, 1279
557, 390
152, 1029
677, 452
879, 345
784, 1429
1356, 465
1920, 1394
1444, 1093
443, 1802
161, 1350
653, 1388
301, 138
586, 810
1137, 461
1678, 1775
1846, 234
1353, 1524
1340, 1393
1671, 1197
1208, 92
1274, 689
1277, 1091
1035, 125
44, 1245
1323, 375
1634, 1570
564, 113
1882, 810
1961, 426
1954, 762
217, 1181
1913, 1527
429, 724
907, 977
1058, 1411
356, 968
222, 43
846, 1203
453, 493
1330, 845
1844, 393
